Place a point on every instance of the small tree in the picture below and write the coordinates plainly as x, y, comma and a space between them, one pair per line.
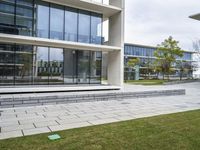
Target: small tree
133, 62
166, 54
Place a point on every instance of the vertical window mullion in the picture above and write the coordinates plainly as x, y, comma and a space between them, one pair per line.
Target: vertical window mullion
77, 25
64, 24
90, 41
49, 20
15, 12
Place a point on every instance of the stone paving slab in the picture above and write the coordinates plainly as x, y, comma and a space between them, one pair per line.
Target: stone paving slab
12, 134
16, 122
36, 131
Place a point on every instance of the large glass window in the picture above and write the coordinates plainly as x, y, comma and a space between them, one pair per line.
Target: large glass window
95, 67
42, 66
71, 24
23, 64
96, 28
47, 20
56, 22
56, 66
7, 15
83, 67
24, 17
84, 27
42, 19
7, 64
70, 66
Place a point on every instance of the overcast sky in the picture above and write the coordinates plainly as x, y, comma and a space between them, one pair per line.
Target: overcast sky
149, 22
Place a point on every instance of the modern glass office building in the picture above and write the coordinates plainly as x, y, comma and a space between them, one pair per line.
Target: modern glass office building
196, 73
146, 56
54, 42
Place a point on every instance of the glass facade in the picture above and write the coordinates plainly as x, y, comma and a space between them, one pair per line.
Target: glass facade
71, 24
46, 20
37, 65
33, 65
43, 12
19, 17
148, 52
147, 59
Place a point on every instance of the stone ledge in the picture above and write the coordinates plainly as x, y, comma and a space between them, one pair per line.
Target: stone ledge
48, 100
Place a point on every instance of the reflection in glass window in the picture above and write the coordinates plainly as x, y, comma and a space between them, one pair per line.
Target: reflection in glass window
71, 24
43, 20
56, 22
7, 11
70, 66
84, 27
96, 28
56, 66
24, 17
95, 67
83, 67
23, 64
42, 67
6, 64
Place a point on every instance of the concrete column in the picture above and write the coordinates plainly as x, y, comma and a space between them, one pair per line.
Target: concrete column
116, 38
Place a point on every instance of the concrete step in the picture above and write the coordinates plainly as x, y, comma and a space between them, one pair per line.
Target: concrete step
25, 101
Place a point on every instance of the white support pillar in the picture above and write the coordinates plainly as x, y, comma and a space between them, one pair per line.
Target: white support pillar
116, 38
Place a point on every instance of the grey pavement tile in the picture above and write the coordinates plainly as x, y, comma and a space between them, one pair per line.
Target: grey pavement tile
125, 118
103, 121
45, 123
8, 123
16, 127
36, 131
69, 121
12, 134
69, 126
37, 120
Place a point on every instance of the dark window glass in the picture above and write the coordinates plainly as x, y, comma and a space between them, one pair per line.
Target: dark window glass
56, 22
95, 67
70, 66
24, 17
43, 20
7, 24
23, 64
96, 28
6, 64
42, 71
84, 27
56, 66
83, 67
71, 24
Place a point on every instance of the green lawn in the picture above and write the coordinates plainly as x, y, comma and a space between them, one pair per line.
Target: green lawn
146, 82
179, 131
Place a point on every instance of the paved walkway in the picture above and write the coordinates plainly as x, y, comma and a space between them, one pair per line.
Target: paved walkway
18, 122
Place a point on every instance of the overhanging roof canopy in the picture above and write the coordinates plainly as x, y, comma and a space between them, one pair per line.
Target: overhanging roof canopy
196, 16
106, 10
